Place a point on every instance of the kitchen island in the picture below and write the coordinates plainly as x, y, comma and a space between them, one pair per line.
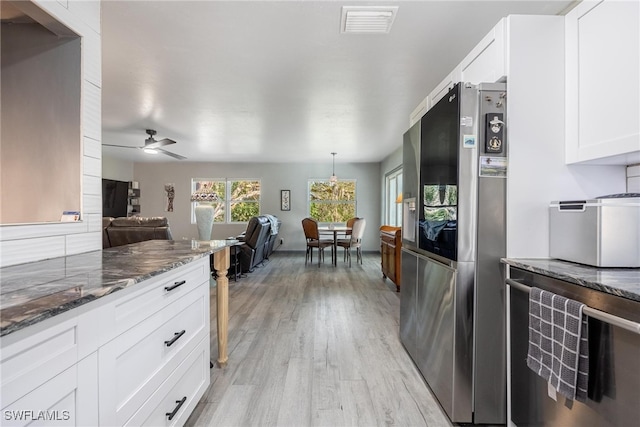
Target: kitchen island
129, 324
612, 296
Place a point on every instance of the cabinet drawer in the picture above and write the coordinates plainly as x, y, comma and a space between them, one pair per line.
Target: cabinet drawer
36, 359
53, 401
133, 365
179, 394
166, 289
69, 398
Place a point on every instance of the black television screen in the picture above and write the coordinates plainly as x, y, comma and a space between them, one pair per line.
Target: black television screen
114, 197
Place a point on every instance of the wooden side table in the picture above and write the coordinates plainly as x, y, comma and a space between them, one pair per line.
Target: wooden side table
390, 246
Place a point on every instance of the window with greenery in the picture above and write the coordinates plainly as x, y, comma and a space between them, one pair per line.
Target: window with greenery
332, 202
393, 198
234, 200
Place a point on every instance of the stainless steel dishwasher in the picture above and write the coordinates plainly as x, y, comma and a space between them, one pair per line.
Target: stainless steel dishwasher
614, 372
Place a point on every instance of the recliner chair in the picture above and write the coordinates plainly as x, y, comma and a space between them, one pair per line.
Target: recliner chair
255, 238
258, 245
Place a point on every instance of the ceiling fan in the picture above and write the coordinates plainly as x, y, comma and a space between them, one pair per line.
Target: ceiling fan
152, 145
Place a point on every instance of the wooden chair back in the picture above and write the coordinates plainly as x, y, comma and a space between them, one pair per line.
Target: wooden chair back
310, 227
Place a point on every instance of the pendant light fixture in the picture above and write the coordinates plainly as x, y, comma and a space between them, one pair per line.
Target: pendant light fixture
333, 178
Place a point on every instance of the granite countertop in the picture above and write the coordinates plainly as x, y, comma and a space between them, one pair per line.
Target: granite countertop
623, 282
33, 292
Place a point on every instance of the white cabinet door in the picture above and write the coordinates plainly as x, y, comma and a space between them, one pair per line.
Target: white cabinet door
487, 61
419, 111
444, 86
603, 88
68, 399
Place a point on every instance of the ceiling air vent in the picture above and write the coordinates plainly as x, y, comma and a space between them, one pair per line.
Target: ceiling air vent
367, 19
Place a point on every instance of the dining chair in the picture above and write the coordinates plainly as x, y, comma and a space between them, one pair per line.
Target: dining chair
354, 241
349, 224
310, 227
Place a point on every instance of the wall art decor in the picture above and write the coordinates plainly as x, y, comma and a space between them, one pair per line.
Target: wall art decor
285, 202
171, 192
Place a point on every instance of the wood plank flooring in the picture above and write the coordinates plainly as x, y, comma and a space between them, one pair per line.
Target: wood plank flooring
313, 346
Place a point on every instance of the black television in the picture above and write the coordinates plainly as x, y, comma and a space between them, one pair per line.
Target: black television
114, 197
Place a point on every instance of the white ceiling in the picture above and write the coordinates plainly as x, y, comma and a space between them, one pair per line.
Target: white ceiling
276, 81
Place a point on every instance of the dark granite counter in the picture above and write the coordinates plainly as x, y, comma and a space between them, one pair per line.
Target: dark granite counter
623, 282
33, 292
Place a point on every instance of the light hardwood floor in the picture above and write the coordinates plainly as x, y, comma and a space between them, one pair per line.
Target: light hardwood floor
313, 346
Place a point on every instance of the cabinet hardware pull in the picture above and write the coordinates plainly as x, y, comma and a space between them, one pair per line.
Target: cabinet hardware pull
175, 285
621, 322
173, 413
175, 338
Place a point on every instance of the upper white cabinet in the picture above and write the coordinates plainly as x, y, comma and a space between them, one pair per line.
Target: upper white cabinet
487, 61
419, 111
602, 83
444, 86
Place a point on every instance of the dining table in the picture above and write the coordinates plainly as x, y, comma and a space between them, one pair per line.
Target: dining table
334, 229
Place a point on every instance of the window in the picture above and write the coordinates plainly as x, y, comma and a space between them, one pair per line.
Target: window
332, 202
393, 202
233, 200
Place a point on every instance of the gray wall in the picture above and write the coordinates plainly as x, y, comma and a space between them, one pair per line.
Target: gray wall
275, 177
388, 164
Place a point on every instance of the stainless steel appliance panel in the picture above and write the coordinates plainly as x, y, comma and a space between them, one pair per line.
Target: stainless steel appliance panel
459, 309
615, 368
489, 299
467, 176
410, 183
408, 297
464, 337
490, 344
435, 330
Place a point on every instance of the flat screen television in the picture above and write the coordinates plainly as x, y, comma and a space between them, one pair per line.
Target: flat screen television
114, 197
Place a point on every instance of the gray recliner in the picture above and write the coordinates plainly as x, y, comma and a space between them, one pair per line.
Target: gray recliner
259, 241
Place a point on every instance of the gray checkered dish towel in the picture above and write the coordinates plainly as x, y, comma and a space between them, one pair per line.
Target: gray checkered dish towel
558, 343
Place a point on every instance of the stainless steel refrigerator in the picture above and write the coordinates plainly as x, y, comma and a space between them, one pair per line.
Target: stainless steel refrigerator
452, 319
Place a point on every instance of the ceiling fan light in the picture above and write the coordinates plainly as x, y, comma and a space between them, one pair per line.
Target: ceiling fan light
150, 151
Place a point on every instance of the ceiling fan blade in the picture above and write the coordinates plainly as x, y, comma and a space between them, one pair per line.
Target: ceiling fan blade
119, 146
174, 155
160, 143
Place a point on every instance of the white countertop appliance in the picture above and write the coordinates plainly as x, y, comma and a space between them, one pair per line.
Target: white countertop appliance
602, 232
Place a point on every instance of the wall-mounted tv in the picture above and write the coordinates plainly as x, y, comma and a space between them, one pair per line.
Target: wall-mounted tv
114, 197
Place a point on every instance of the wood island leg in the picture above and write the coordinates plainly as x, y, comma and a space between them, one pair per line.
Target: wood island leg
221, 264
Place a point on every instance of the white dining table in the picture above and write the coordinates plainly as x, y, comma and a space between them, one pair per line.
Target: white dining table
334, 229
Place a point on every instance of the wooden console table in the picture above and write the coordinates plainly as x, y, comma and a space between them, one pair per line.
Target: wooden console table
390, 245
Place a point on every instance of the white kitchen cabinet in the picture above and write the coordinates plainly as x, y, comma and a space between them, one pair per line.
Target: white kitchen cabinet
487, 61
136, 349
444, 86
602, 83
174, 401
135, 364
51, 376
68, 399
419, 111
